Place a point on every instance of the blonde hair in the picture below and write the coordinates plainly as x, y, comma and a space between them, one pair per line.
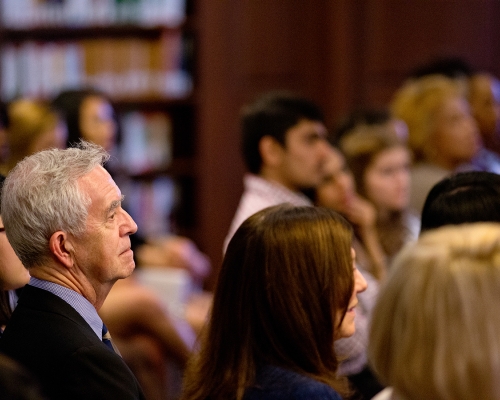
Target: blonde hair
436, 330
28, 120
417, 103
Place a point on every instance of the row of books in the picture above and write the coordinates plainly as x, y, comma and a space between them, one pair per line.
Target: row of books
146, 142
151, 204
25, 14
146, 146
121, 67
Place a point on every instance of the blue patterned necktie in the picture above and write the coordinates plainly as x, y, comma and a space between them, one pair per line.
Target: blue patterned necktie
106, 338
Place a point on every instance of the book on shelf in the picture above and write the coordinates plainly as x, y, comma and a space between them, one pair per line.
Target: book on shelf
146, 143
26, 14
124, 68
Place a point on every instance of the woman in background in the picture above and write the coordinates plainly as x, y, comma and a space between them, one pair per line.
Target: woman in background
380, 163
443, 134
13, 274
338, 192
89, 115
32, 126
286, 290
435, 327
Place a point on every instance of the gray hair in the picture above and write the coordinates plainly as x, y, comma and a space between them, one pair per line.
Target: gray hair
41, 196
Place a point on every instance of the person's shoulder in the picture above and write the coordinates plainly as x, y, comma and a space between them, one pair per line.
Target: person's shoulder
278, 383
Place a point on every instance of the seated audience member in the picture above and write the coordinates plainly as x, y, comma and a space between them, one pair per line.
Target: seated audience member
380, 163
149, 338
286, 290
443, 135
32, 126
338, 193
484, 98
13, 275
465, 197
63, 217
434, 332
284, 147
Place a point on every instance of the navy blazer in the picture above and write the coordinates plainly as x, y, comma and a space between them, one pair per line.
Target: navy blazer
275, 383
55, 343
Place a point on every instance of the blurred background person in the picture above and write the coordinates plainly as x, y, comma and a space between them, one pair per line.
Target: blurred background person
443, 135
380, 163
287, 289
13, 274
89, 115
445, 283
465, 197
338, 192
32, 126
484, 98
483, 94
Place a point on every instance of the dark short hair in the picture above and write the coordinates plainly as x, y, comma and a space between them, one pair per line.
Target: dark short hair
464, 197
272, 114
451, 67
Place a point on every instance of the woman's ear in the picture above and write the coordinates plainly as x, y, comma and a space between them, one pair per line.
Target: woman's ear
271, 151
62, 248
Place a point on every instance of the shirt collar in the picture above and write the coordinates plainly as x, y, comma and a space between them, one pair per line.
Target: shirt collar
75, 300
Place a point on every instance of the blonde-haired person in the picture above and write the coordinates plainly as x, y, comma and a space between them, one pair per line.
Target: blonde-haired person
442, 133
32, 126
435, 327
380, 163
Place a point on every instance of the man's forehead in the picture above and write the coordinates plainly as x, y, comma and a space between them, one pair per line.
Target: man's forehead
307, 127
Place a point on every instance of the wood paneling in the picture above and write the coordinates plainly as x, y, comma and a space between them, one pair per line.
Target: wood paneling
343, 54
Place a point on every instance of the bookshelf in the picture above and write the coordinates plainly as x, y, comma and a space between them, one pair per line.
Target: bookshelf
140, 53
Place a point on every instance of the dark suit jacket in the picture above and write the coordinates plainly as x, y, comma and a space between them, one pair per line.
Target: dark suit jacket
275, 383
54, 342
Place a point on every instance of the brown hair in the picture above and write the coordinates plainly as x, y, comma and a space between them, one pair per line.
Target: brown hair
286, 273
360, 148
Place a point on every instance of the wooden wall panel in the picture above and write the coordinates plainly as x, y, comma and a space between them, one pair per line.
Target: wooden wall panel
343, 54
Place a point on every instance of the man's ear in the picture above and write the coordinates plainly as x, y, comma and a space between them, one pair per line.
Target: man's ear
271, 151
62, 248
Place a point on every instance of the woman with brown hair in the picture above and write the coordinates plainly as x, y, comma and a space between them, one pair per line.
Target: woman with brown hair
380, 163
286, 290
